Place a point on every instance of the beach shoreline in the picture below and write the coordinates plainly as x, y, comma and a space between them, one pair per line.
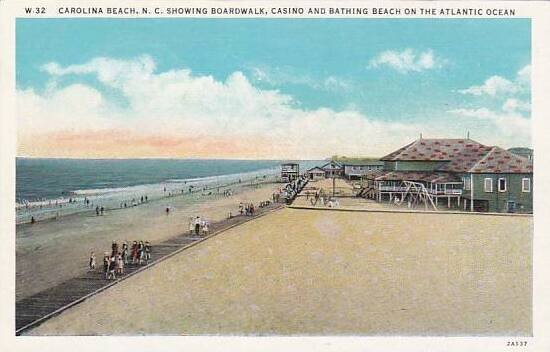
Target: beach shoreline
52, 209
51, 251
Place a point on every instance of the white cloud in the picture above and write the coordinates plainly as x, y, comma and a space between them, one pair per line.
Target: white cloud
109, 71
512, 127
74, 107
180, 105
407, 60
279, 76
512, 121
524, 75
497, 85
333, 83
513, 105
492, 86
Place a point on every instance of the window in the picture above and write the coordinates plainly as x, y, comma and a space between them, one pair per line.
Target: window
526, 185
466, 181
502, 185
488, 185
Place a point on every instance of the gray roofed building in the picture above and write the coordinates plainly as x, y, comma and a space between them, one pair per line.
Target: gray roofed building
522, 151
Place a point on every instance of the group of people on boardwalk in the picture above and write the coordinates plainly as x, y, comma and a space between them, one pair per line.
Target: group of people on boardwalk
264, 203
114, 262
198, 226
246, 209
291, 189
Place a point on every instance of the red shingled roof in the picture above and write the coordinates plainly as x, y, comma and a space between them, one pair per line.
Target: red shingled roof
502, 161
462, 155
434, 150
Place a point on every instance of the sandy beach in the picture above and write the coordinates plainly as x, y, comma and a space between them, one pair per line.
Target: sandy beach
343, 191
53, 251
329, 272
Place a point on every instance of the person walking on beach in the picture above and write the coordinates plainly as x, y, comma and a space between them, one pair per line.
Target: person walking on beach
112, 268
92, 261
97, 210
147, 252
141, 252
106, 262
197, 225
119, 264
205, 229
125, 252
114, 249
134, 252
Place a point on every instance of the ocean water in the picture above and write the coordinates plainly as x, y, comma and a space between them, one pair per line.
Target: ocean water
48, 188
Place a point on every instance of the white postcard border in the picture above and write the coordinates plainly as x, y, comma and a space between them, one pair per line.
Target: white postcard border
539, 12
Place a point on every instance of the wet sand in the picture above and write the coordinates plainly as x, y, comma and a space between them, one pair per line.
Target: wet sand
52, 251
329, 272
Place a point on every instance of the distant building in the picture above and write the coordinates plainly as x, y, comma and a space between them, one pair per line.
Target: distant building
522, 151
333, 169
315, 173
462, 173
355, 170
290, 171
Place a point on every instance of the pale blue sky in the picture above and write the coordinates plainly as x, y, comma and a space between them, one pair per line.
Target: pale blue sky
475, 50
320, 63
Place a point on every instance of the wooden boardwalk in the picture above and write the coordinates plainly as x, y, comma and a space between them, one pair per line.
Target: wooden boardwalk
34, 310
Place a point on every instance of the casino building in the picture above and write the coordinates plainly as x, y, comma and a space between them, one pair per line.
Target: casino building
455, 173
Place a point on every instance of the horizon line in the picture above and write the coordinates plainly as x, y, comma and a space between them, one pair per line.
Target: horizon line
162, 158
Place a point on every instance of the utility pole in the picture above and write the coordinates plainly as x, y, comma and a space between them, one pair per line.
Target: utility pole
472, 192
